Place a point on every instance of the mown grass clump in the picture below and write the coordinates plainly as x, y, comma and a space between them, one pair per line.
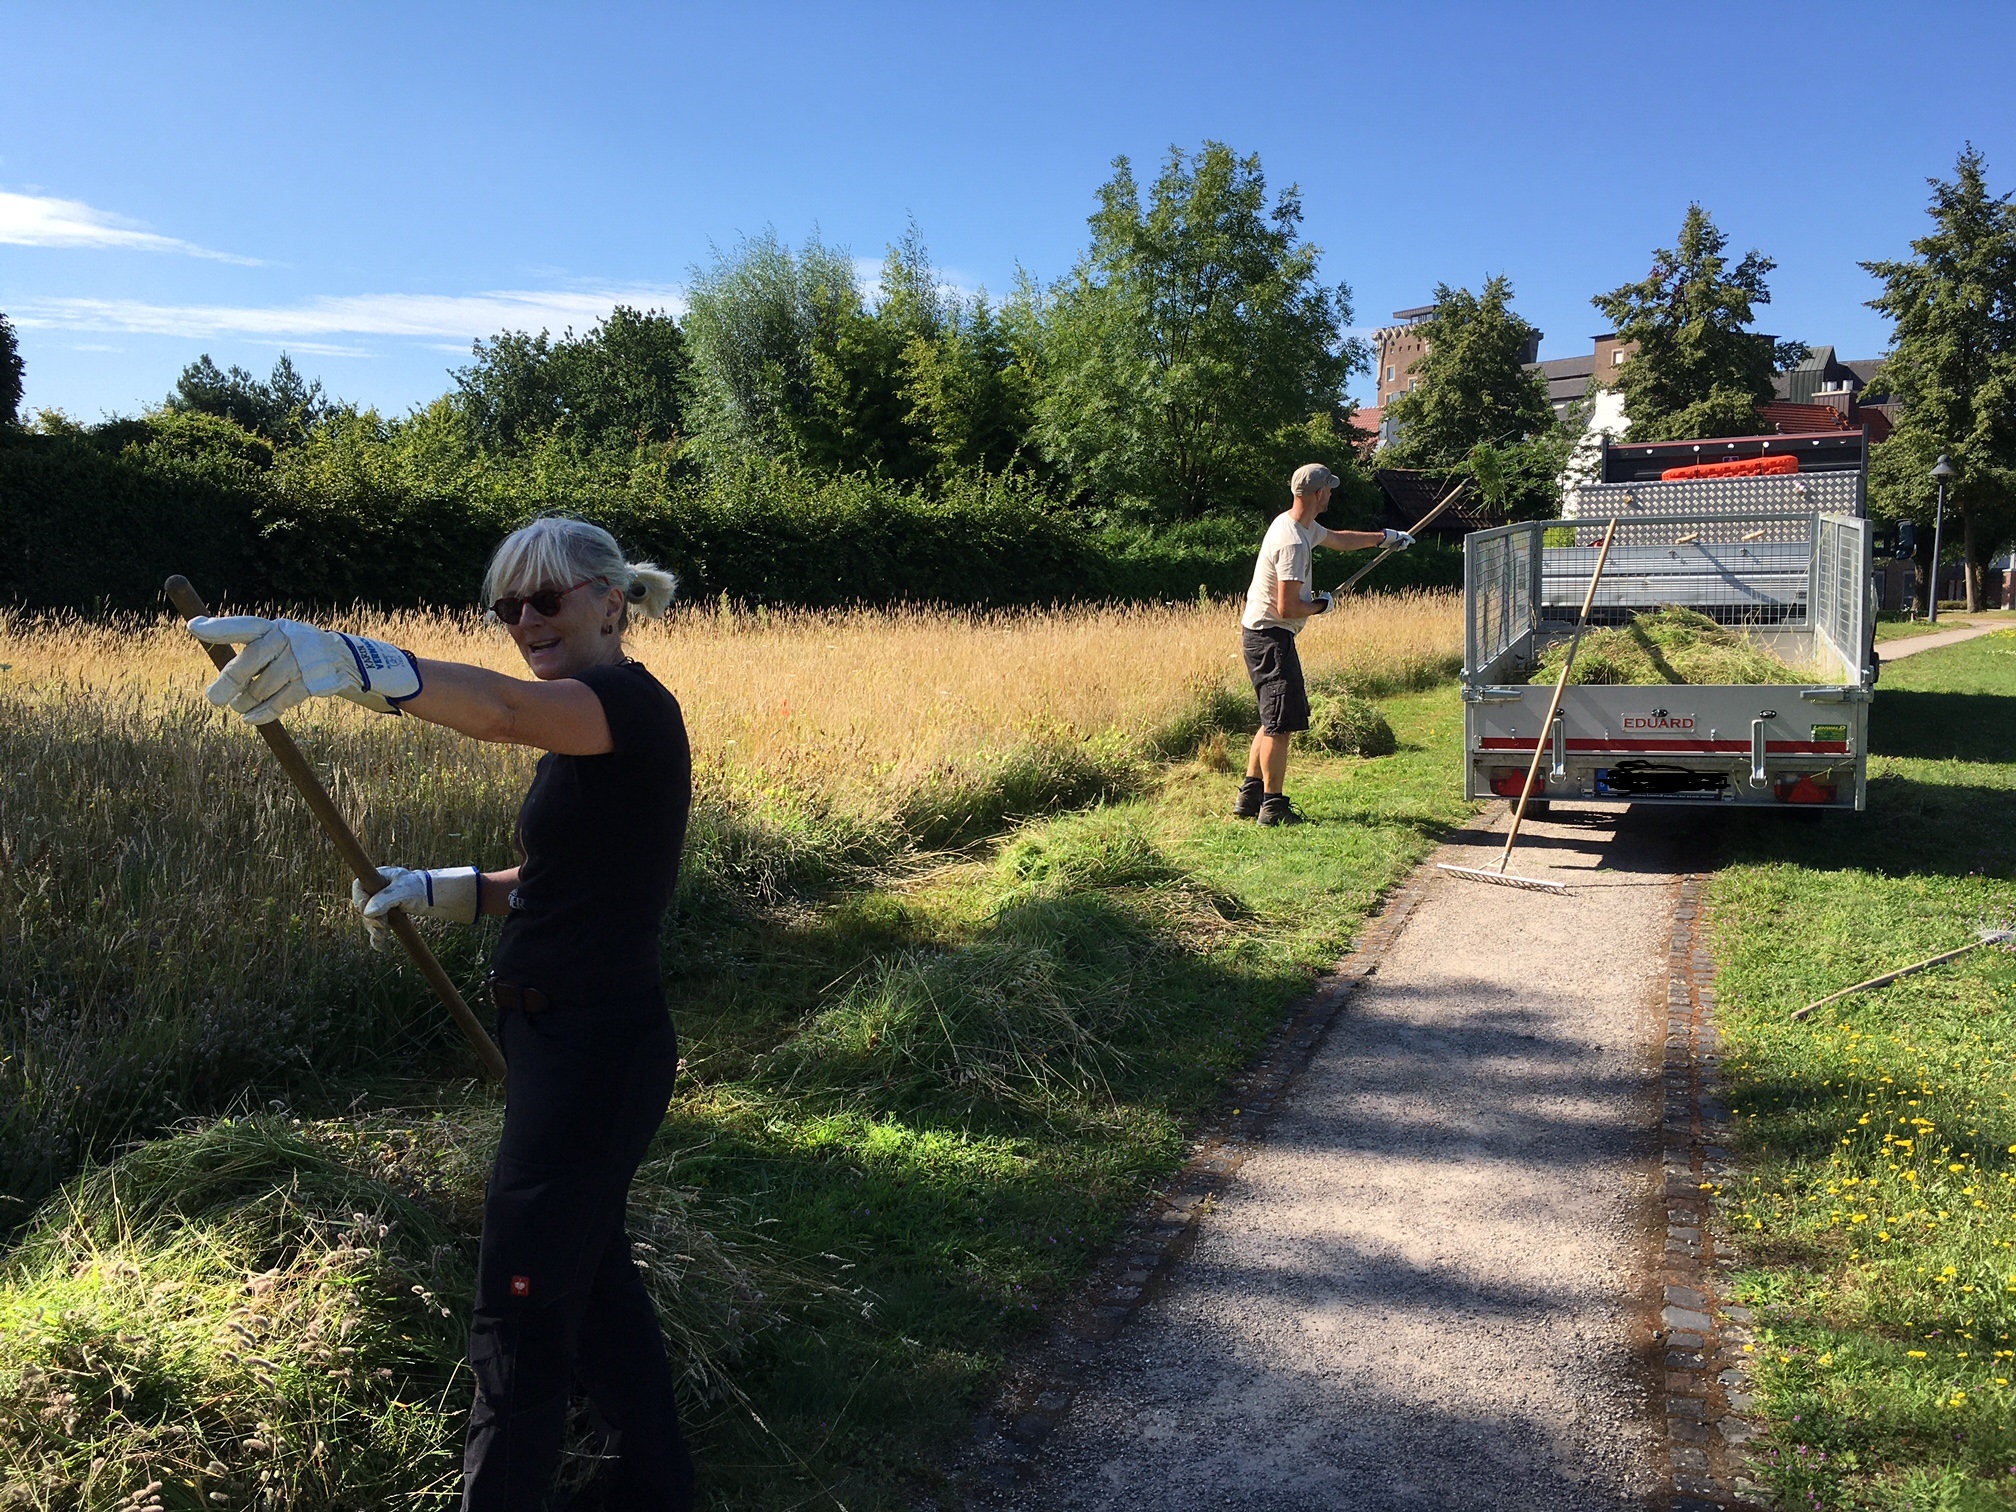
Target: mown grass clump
1668, 645
1876, 1214
1346, 725
262, 1312
1032, 1008
995, 1020
1104, 847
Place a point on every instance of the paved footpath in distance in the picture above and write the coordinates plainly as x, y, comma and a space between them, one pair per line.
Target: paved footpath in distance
1911, 645
1433, 1285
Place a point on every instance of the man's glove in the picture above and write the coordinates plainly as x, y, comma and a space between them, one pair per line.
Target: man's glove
1398, 538
453, 893
1322, 601
285, 662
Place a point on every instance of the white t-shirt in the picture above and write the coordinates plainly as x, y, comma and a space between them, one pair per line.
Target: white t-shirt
1284, 558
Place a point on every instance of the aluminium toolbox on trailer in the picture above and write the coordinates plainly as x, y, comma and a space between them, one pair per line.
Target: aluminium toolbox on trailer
1785, 559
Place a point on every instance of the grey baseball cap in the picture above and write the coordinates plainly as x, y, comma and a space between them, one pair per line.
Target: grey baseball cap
1314, 477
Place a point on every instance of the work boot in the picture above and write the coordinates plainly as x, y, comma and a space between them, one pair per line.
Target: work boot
1247, 804
1276, 809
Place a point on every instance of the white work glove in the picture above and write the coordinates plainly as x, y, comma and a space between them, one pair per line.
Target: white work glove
453, 893
1322, 602
285, 662
1398, 538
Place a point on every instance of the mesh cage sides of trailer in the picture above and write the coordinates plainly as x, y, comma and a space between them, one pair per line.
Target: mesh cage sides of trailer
1776, 571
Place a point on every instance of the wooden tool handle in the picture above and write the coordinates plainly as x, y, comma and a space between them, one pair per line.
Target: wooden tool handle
1560, 687
189, 604
1419, 525
1892, 976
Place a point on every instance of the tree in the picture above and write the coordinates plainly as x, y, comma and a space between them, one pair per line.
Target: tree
864, 416
622, 384
511, 391
1475, 409
970, 396
1698, 369
754, 324
1951, 368
11, 371
626, 380
1191, 340
284, 408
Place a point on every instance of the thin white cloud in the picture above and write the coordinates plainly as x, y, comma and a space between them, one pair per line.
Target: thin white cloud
317, 348
466, 316
39, 220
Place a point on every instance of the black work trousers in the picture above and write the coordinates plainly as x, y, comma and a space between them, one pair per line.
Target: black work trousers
557, 1297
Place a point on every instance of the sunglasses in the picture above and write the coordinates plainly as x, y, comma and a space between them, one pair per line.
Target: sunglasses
511, 608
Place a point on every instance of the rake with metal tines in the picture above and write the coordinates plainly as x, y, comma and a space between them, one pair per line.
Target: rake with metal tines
1988, 937
1498, 876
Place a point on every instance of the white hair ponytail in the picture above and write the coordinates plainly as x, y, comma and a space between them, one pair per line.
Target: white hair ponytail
650, 589
555, 550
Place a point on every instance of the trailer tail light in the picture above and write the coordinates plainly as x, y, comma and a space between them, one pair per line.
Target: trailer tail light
1805, 787
1505, 782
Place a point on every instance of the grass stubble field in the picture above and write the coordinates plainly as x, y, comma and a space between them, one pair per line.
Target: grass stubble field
964, 944
1877, 1139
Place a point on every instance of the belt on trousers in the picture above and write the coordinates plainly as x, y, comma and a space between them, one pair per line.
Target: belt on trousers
510, 995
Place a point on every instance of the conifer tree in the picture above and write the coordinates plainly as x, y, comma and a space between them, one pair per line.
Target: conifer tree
1952, 369
1698, 368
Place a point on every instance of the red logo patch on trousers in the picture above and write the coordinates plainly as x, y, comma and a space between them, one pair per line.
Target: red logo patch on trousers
521, 1286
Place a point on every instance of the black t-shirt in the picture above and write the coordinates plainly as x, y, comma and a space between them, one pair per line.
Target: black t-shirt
600, 836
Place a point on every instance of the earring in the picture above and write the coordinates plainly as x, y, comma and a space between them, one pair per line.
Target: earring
607, 628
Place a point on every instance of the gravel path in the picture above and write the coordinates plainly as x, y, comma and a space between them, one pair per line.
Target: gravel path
1432, 1286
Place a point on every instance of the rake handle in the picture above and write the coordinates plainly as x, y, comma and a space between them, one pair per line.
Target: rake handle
1891, 976
1419, 525
189, 604
1560, 687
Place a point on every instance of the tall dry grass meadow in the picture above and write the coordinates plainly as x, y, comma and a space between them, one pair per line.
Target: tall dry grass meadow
174, 929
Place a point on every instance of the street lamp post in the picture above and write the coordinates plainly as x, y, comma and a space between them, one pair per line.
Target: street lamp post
1941, 470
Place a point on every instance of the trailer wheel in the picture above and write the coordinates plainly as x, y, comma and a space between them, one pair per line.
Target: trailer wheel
1536, 808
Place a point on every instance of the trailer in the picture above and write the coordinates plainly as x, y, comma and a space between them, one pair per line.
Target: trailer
1785, 560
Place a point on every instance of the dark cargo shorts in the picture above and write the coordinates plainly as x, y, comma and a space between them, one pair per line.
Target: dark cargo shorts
1276, 670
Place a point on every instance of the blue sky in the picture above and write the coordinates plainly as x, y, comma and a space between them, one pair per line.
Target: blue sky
371, 187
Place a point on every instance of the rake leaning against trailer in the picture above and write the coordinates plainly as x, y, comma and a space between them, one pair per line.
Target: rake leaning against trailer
1784, 559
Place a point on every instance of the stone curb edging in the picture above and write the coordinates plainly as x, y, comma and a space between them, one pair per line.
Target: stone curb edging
1706, 1370
1039, 1388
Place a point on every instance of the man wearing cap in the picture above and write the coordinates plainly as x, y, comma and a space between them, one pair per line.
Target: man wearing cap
1276, 606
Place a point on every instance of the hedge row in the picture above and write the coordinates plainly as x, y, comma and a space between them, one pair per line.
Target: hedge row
95, 520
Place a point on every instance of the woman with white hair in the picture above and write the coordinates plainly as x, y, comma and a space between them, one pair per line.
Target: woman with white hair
581, 1013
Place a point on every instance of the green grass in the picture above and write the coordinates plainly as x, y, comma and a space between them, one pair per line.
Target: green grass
1903, 629
1877, 1209
1890, 627
912, 1113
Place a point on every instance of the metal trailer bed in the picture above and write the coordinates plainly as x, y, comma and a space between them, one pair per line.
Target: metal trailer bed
1785, 560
